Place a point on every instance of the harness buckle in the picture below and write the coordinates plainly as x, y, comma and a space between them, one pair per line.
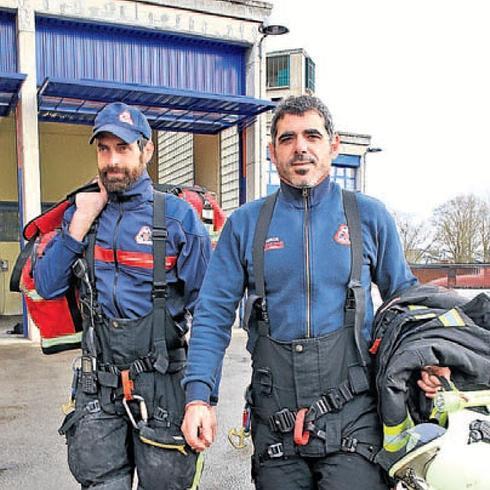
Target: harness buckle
261, 308
333, 400
282, 421
159, 233
161, 415
275, 451
348, 444
159, 290
93, 406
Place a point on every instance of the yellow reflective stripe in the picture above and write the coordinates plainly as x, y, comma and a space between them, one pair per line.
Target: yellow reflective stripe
417, 307
198, 473
394, 439
177, 447
424, 316
452, 318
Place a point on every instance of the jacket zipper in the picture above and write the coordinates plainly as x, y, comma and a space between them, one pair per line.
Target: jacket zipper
307, 263
116, 264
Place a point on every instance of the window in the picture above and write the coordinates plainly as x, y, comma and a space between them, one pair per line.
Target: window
277, 71
9, 222
346, 177
309, 74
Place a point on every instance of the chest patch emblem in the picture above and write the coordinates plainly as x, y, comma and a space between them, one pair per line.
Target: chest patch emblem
144, 236
273, 243
342, 235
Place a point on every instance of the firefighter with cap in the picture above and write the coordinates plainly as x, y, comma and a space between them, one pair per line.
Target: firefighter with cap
140, 257
307, 269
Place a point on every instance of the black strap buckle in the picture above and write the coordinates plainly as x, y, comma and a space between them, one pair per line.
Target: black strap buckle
282, 421
348, 444
93, 406
260, 306
275, 451
334, 400
161, 415
159, 233
159, 290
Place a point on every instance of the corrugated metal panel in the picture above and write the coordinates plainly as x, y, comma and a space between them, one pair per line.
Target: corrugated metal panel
75, 50
230, 178
8, 45
10, 85
175, 158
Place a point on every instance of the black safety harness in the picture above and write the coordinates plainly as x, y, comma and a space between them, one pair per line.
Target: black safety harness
98, 375
302, 422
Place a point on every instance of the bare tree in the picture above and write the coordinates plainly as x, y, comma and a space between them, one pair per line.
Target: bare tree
415, 237
457, 226
484, 230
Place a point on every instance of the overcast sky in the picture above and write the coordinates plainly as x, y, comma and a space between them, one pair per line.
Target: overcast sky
415, 75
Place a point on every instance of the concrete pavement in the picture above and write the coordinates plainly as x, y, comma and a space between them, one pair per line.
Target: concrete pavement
34, 386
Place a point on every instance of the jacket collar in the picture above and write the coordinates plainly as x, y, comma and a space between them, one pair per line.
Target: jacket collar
315, 195
141, 190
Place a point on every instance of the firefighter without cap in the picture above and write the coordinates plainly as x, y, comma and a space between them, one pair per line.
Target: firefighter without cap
307, 257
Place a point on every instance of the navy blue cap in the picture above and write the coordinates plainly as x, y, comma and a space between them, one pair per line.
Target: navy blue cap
122, 120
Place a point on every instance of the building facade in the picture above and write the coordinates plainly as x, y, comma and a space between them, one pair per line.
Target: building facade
191, 65
292, 72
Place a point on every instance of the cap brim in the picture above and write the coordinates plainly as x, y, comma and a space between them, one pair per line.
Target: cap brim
127, 135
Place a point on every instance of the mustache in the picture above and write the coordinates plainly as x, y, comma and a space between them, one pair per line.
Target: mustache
301, 158
113, 168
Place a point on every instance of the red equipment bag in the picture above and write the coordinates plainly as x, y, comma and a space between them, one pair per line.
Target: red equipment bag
59, 319
205, 204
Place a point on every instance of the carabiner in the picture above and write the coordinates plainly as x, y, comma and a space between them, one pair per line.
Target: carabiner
143, 410
237, 437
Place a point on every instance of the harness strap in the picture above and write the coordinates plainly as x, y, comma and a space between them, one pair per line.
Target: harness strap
159, 292
355, 299
284, 420
352, 445
70, 421
348, 444
258, 301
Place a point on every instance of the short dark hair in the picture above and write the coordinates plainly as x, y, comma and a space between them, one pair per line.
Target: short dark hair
142, 142
298, 105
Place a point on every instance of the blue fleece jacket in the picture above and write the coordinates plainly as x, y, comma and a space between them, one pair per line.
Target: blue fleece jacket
124, 231
307, 249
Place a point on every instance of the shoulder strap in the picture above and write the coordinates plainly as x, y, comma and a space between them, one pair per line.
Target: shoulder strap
258, 299
355, 300
159, 290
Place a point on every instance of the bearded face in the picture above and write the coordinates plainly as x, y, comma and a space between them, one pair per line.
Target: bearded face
117, 178
120, 164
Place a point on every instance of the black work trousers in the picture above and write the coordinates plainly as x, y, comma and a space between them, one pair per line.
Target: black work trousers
337, 471
104, 450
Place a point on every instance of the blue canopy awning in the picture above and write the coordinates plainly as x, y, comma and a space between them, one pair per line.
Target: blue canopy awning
167, 109
10, 85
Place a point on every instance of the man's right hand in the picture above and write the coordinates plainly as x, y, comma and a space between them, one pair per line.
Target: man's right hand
199, 426
88, 206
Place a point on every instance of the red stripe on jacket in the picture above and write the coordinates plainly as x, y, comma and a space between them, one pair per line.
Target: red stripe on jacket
132, 259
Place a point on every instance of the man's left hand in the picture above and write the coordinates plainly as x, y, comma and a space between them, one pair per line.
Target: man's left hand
429, 381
